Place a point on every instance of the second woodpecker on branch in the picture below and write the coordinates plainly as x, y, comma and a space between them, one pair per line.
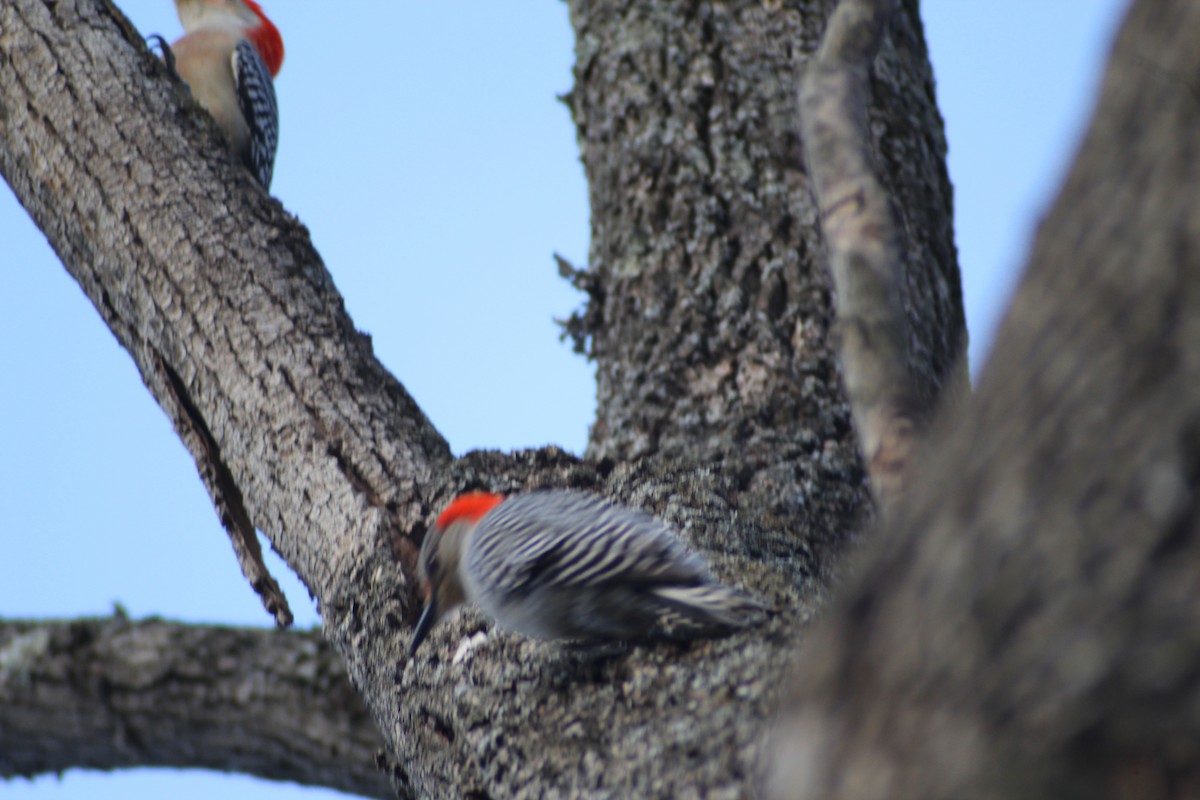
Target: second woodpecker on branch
228, 56
567, 565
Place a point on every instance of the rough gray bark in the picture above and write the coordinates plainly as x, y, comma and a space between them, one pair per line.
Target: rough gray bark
745, 441
1029, 625
109, 693
709, 306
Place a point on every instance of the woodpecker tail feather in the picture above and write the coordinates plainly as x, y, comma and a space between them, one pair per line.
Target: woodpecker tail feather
711, 605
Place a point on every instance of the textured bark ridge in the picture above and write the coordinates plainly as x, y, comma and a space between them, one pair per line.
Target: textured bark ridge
709, 306
109, 693
1029, 626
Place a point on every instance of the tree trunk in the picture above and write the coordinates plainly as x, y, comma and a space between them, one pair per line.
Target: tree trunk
709, 307
708, 315
1029, 624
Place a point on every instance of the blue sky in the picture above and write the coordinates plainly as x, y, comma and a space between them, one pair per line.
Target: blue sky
422, 146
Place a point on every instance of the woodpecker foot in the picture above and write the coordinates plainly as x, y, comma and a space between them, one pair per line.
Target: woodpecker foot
168, 56
467, 646
583, 663
598, 650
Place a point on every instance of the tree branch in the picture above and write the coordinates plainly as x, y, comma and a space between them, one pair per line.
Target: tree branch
865, 249
109, 693
224, 491
217, 294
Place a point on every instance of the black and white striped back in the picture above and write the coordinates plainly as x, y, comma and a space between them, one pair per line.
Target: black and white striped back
256, 96
561, 564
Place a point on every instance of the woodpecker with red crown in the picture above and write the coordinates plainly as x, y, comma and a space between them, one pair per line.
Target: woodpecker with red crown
567, 565
228, 56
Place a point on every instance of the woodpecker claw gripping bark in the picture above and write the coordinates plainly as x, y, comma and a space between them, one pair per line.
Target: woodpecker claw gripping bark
228, 56
567, 565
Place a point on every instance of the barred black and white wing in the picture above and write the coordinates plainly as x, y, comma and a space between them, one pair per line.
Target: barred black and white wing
569, 564
564, 539
256, 96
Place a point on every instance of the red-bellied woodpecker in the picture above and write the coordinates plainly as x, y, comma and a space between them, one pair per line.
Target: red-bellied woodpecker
228, 55
566, 565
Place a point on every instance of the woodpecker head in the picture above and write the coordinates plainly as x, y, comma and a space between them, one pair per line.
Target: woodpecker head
441, 555
241, 15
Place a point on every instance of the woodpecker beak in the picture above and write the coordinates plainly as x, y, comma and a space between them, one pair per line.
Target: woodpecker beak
424, 624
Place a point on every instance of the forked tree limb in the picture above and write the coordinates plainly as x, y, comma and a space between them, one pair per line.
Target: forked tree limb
184, 256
